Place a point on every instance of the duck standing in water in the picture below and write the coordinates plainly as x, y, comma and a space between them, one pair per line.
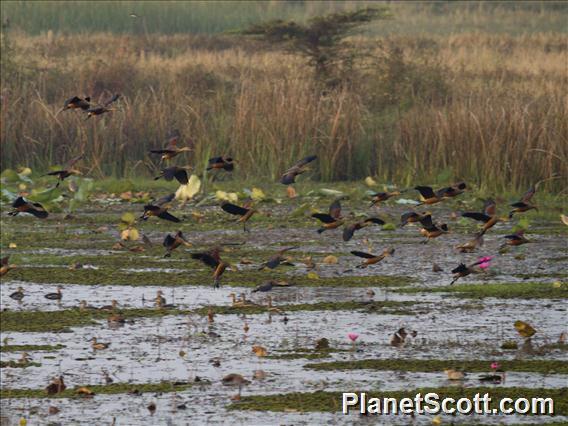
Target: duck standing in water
113, 305
18, 294
97, 346
56, 386
55, 296
161, 301
234, 379
84, 306
399, 338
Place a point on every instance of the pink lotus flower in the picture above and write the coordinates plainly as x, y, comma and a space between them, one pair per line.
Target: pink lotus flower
484, 265
485, 259
353, 336
495, 365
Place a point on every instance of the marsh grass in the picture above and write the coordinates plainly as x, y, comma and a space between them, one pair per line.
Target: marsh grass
484, 107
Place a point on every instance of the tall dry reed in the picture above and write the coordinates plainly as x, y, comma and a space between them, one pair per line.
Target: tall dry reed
486, 108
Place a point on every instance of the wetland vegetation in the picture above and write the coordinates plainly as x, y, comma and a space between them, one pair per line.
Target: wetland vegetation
428, 93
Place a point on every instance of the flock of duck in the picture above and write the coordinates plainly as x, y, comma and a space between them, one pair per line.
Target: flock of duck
333, 219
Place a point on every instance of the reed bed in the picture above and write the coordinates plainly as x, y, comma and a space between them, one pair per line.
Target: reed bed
488, 108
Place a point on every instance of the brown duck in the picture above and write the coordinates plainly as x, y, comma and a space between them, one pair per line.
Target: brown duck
221, 163
173, 242
452, 191
160, 209
171, 150
101, 109
171, 173
56, 386
76, 103
245, 213
471, 245
20, 205
275, 260
379, 197
349, 230
212, 259
515, 239
300, 167
489, 216
410, 217
371, 259
428, 195
431, 230
66, 171
333, 219
6, 266
524, 205
463, 270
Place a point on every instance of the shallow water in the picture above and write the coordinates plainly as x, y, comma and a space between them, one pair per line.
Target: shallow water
148, 350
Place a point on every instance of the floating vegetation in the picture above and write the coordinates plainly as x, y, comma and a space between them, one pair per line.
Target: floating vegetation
30, 348
305, 353
525, 290
439, 365
19, 364
111, 389
331, 401
59, 321
247, 278
27, 321
390, 307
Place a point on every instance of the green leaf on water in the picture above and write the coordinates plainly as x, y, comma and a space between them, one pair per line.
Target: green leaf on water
301, 210
85, 187
128, 218
45, 196
327, 191
10, 175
